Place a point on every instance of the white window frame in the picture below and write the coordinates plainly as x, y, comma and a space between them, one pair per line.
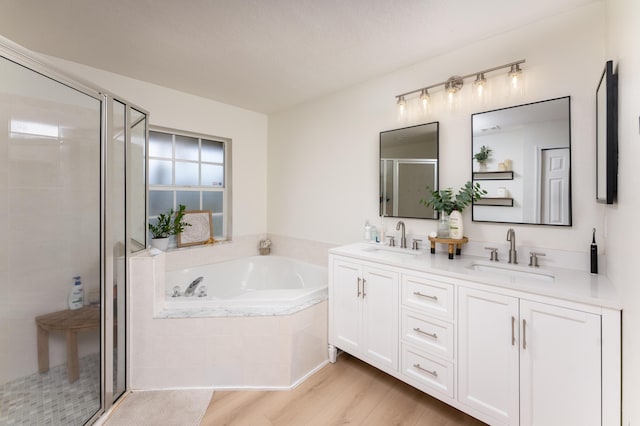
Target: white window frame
225, 189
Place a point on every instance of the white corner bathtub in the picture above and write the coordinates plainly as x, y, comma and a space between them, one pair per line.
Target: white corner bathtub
257, 285
262, 325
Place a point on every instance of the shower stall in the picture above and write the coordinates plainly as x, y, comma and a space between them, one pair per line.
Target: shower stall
72, 204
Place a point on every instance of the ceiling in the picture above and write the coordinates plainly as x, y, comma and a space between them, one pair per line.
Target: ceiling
262, 55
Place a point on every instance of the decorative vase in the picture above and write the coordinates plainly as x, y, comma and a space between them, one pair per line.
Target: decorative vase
443, 225
482, 165
160, 243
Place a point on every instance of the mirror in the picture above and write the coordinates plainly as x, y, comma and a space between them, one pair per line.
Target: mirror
528, 172
607, 135
408, 165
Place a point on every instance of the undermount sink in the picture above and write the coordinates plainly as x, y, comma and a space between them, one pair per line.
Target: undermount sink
514, 271
392, 251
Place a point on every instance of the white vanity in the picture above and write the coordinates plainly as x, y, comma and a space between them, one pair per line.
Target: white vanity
519, 346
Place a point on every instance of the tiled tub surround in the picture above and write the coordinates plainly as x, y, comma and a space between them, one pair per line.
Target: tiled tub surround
249, 351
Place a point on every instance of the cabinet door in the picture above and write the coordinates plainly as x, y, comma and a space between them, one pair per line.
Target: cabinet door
380, 320
488, 354
560, 366
346, 306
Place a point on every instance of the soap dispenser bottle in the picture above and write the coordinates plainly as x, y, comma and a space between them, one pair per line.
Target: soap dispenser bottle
456, 230
76, 294
367, 231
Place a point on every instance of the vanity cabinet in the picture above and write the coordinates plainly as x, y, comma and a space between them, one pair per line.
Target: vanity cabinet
364, 312
501, 354
522, 360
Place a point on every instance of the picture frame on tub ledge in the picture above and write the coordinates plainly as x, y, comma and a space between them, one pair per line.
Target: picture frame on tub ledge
200, 230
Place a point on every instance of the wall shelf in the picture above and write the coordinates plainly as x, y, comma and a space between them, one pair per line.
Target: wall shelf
494, 175
495, 201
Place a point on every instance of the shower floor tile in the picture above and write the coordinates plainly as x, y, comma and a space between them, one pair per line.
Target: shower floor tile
49, 398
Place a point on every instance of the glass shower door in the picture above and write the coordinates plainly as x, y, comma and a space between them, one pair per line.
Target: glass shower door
50, 220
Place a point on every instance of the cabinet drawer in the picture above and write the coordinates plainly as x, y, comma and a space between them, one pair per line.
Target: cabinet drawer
428, 296
428, 334
430, 372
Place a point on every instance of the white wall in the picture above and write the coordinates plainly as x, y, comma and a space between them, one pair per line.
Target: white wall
181, 111
323, 155
623, 39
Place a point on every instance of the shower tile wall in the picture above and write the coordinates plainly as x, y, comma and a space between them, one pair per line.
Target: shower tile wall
49, 214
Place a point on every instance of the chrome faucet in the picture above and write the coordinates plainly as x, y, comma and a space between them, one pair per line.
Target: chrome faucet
191, 288
403, 237
513, 254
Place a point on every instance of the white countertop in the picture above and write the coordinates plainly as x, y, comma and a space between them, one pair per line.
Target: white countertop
568, 284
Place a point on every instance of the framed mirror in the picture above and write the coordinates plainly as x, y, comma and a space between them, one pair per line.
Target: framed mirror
408, 166
528, 170
607, 135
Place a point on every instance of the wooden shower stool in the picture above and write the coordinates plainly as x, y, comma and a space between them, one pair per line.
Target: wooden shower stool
451, 242
71, 322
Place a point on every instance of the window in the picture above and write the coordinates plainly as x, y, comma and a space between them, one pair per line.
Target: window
190, 169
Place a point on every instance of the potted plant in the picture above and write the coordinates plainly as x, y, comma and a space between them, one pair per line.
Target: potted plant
166, 225
445, 202
482, 157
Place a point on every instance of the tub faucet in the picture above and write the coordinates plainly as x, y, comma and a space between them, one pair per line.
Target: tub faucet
403, 237
513, 254
191, 288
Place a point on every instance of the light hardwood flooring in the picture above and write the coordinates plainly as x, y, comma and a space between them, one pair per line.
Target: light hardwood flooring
347, 392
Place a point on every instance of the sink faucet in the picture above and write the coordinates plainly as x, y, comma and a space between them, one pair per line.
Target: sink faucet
403, 238
513, 254
191, 288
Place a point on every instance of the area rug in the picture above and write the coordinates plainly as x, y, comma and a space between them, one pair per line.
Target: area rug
162, 408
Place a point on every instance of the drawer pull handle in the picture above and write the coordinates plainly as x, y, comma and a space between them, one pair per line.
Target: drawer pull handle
432, 335
513, 331
434, 373
417, 293
359, 293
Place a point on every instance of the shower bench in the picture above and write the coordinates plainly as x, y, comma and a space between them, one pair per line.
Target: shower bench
71, 323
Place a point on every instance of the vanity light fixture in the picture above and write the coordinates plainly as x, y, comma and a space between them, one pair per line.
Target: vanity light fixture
455, 83
479, 84
424, 97
514, 75
401, 103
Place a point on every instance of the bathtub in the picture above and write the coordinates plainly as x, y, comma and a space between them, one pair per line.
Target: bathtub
262, 325
257, 285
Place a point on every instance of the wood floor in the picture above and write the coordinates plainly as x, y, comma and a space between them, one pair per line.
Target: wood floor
347, 392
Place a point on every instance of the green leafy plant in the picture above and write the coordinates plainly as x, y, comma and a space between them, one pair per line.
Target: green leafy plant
444, 200
169, 223
483, 155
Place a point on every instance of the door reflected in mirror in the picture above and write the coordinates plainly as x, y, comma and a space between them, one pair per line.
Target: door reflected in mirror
408, 170
528, 171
